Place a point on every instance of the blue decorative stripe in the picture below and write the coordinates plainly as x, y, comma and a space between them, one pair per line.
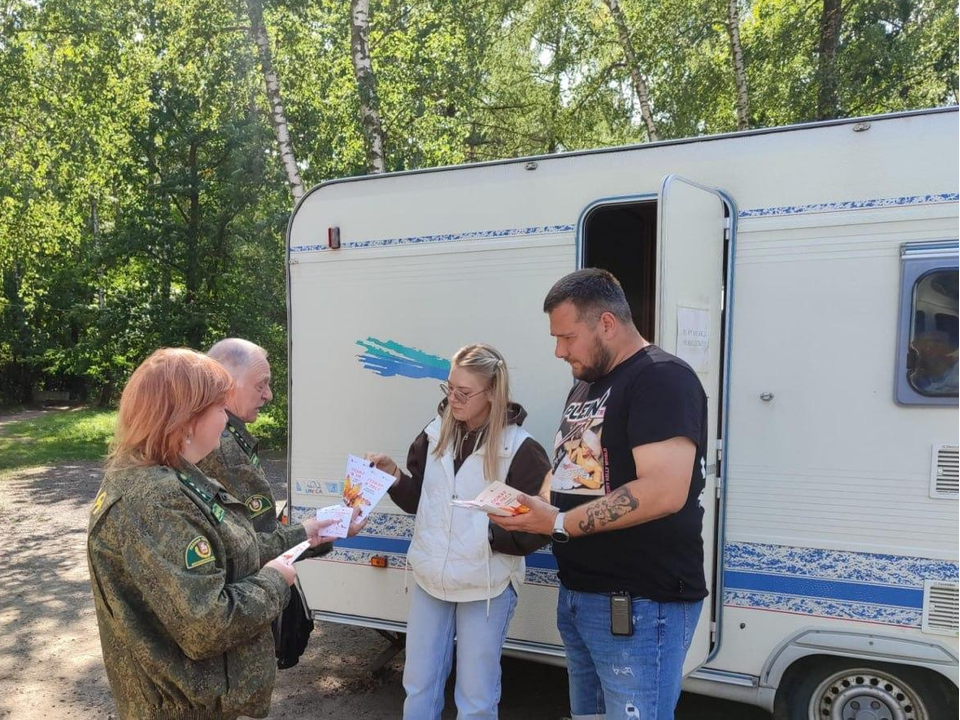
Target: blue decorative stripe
875, 568
818, 607
544, 561
445, 238
823, 589
364, 542
851, 205
541, 576
352, 556
362, 557
380, 524
867, 587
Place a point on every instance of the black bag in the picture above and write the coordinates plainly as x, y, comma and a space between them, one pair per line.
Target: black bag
291, 630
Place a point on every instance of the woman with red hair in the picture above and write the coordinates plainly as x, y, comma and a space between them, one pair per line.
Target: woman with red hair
184, 600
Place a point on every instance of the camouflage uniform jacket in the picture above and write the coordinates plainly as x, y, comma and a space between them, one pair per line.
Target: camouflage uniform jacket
236, 466
183, 606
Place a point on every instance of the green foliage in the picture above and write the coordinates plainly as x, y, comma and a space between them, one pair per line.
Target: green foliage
142, 201
55, 437
270, 429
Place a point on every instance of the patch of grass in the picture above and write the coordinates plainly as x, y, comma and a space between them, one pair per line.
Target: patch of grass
56, 436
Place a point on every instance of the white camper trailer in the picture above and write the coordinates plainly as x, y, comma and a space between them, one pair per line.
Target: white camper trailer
808, 273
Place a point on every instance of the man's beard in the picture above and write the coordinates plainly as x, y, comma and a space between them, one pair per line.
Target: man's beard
600, 364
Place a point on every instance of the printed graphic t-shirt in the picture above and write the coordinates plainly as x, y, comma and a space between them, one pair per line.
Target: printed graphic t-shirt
650, 397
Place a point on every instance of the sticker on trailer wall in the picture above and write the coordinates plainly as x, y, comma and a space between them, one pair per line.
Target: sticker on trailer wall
391, 359
693, 337
308, 487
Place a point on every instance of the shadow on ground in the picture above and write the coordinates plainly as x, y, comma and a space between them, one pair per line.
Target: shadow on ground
50, 660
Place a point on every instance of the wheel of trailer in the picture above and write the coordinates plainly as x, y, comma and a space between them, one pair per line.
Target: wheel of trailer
841, 689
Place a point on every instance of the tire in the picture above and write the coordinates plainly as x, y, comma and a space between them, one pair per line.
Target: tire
826, 688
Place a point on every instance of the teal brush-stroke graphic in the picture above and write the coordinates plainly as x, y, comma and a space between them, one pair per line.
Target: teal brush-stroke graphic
389, 359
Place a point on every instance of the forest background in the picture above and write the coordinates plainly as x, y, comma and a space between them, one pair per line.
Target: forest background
151, 151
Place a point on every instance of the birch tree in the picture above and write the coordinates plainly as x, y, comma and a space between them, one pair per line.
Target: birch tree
636, 75
831, 17
278, 117
366, 84
739, 70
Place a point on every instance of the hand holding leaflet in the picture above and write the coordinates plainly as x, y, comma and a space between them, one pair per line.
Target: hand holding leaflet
341, 515
291, 555
497, 499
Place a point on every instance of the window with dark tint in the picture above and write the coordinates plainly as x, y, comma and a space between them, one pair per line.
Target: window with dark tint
926, 368
932, 354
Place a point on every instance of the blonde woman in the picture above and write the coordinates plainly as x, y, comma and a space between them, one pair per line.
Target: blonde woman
183, 604
467, 571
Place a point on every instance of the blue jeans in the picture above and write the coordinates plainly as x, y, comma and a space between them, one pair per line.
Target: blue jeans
430, 631
612, 676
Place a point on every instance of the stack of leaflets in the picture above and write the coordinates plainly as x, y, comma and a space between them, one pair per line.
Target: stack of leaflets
496, 499
363, 487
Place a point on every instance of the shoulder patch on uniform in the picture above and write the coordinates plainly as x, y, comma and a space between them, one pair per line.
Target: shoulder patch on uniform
258, 505
198, 553
98, 503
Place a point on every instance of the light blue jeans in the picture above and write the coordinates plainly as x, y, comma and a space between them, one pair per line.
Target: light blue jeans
431, 628
612, 676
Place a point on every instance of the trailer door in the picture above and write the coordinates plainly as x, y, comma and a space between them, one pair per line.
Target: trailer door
691, 246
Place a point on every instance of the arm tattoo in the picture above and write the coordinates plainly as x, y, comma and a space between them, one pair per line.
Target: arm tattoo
608, 509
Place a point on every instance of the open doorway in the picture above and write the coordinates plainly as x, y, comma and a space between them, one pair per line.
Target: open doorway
622, 238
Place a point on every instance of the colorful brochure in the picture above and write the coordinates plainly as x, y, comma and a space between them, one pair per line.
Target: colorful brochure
496, 499
364, 485
342, 515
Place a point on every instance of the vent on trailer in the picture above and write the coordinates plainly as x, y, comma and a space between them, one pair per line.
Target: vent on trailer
940, 607
943, 472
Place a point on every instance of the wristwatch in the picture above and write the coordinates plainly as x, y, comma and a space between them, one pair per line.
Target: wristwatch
559, 534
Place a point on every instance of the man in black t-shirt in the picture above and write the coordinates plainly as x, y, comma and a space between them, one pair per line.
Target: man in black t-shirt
626, 519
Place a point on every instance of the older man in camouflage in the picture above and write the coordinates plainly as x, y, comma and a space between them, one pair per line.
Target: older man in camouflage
236, 466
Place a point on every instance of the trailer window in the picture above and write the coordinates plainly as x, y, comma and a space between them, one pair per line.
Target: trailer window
928, 355
932, 359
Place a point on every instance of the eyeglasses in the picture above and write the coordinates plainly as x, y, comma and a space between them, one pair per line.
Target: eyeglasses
458, 395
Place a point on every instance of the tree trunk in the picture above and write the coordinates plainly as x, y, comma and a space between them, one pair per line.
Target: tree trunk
830, 20
105, 394
639, 82
366, 84
553, 141
95, 230
739, 70
195, 324
17, 368
277, 115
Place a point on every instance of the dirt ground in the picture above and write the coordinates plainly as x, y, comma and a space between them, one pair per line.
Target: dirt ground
50, 661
